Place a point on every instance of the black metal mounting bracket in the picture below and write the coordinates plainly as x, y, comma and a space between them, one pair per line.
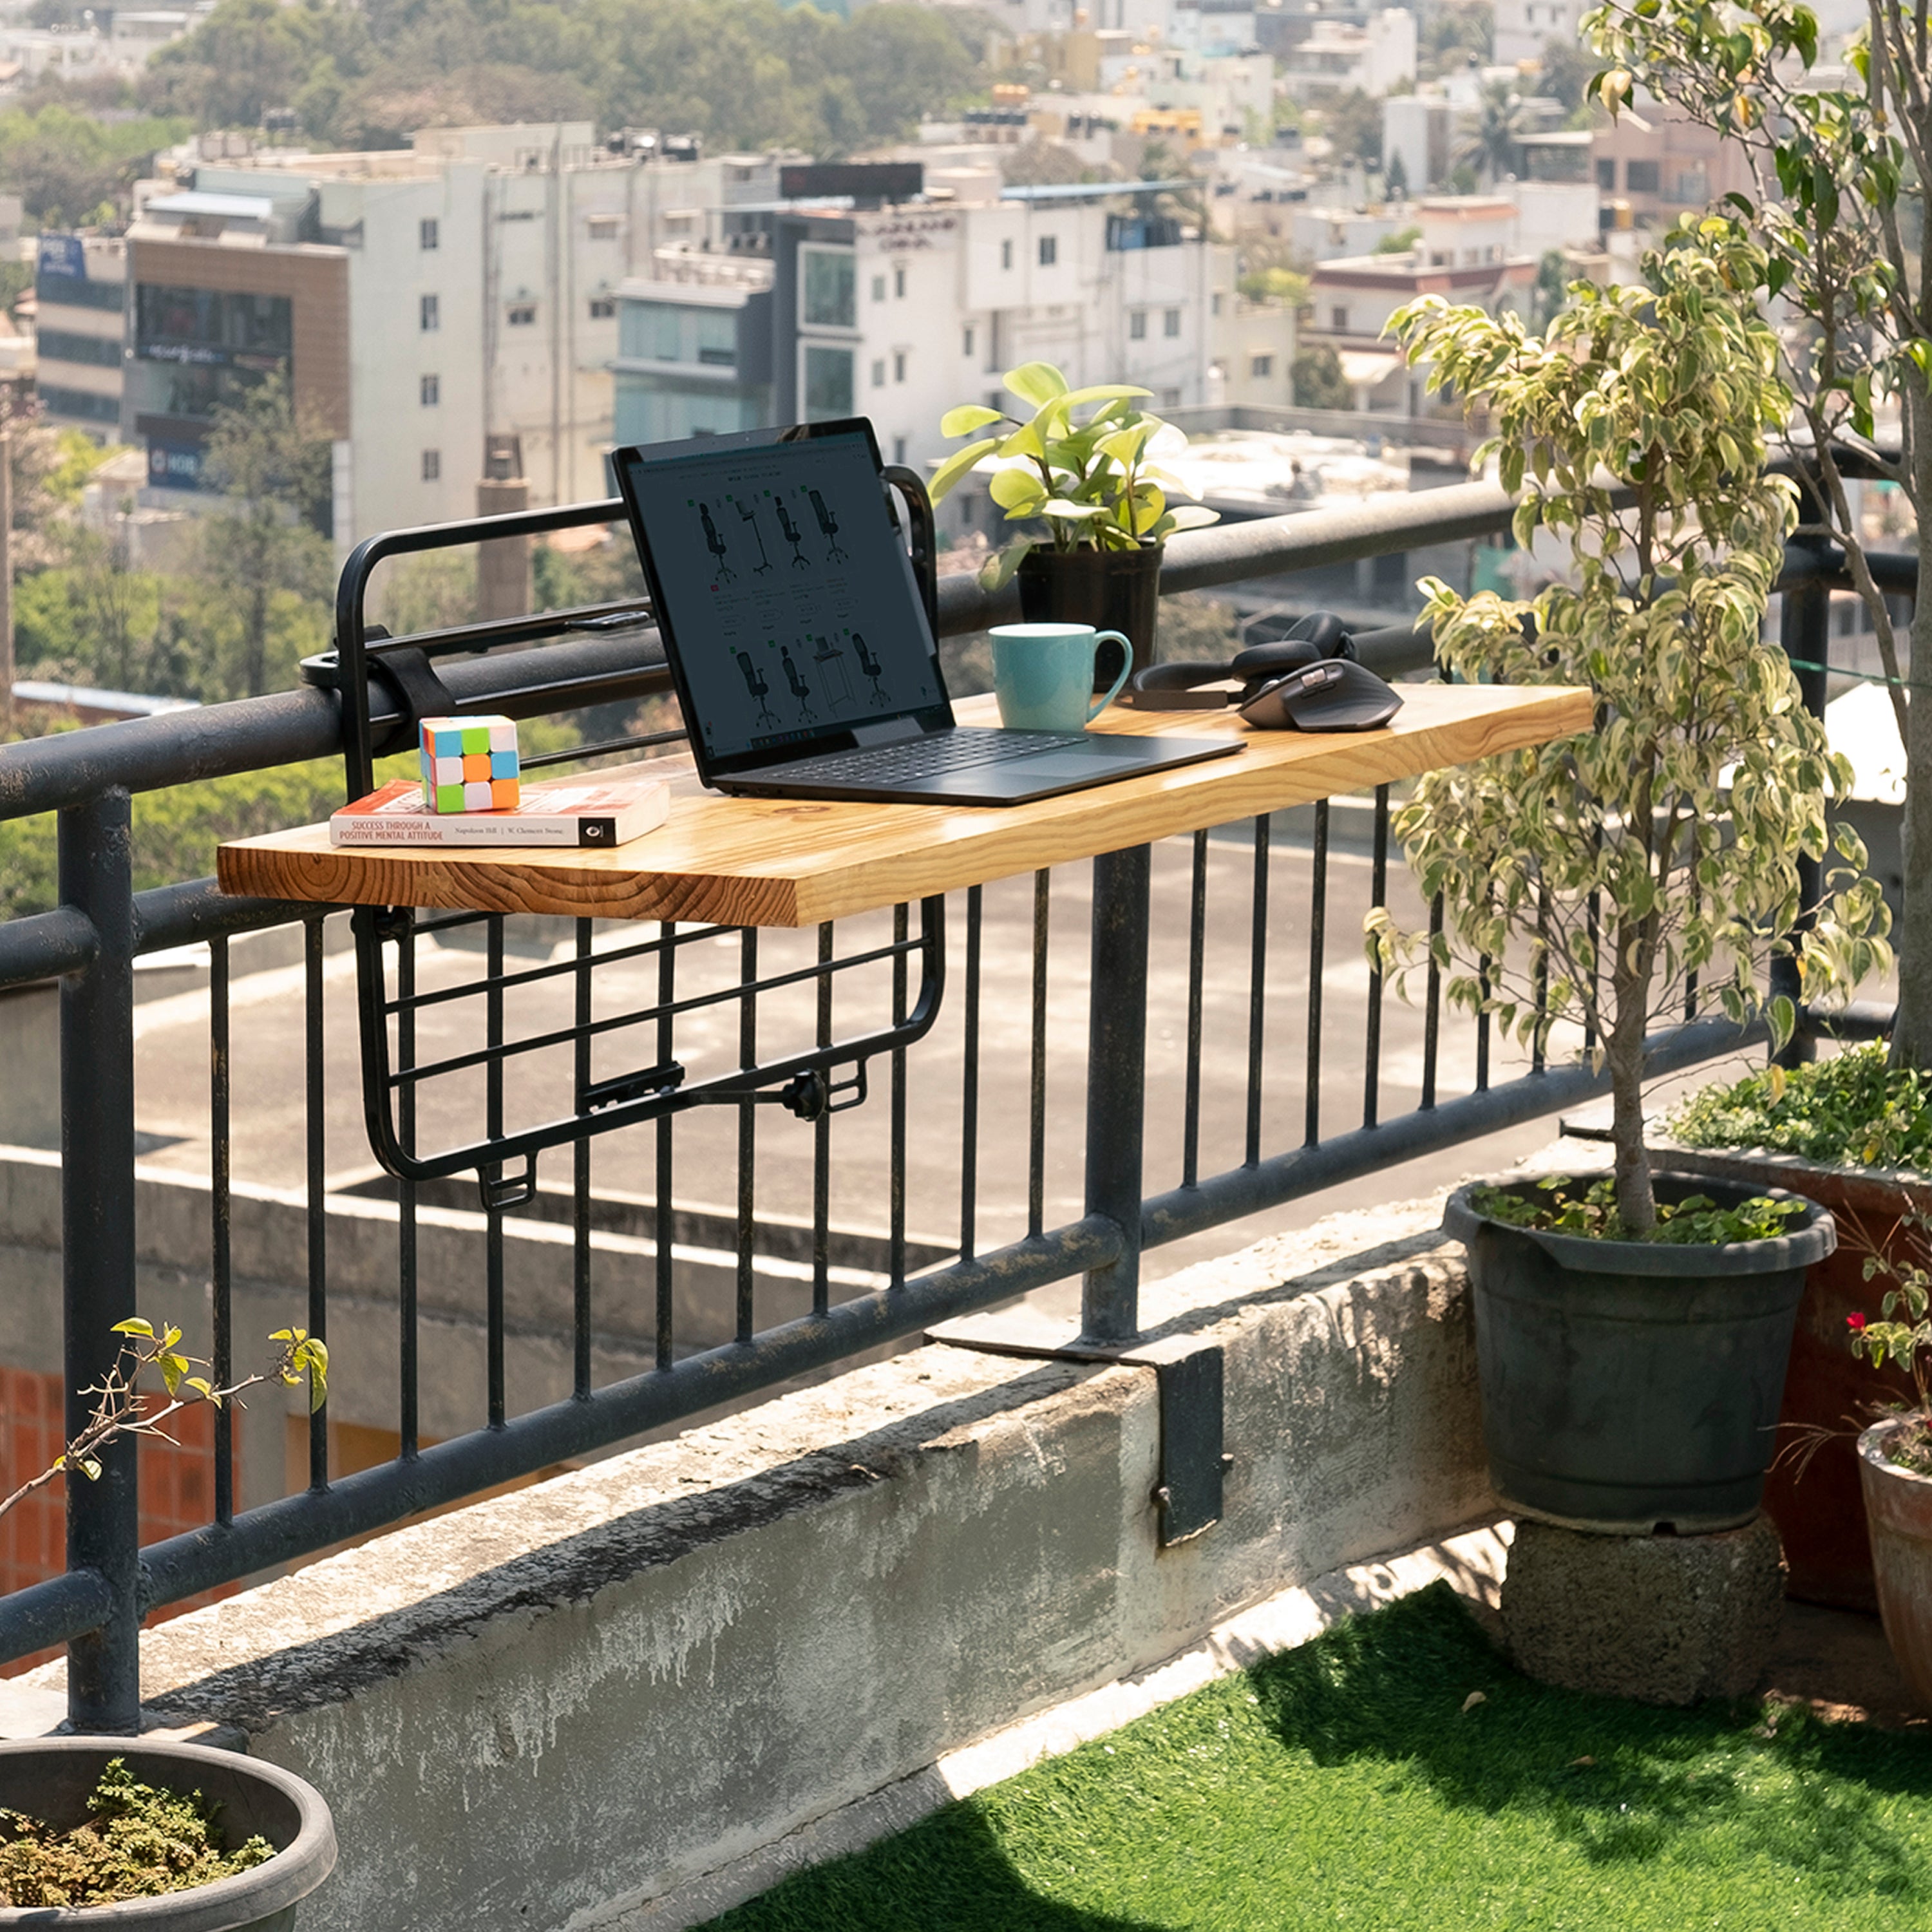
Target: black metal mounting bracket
1190, 1385
825, 1078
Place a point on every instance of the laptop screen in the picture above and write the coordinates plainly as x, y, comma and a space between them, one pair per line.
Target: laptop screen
784, 594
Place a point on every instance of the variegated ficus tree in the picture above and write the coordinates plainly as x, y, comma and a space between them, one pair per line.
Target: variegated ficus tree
1584, 879
1838, 139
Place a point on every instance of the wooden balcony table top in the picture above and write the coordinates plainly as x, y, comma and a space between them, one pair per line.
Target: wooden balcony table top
793, 863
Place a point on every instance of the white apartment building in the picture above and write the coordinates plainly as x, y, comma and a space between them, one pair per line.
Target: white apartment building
898, 313
1524, 27
80, 299
1337, 57
422, 301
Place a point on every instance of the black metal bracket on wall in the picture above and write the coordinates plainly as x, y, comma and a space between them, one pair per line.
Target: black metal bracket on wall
1190, 1377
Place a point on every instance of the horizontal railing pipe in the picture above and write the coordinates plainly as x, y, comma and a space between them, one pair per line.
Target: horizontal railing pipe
1182, 1211
297, 1526
43, 1615
44, 945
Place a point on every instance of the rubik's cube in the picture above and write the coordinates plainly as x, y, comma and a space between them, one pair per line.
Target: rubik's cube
469, 764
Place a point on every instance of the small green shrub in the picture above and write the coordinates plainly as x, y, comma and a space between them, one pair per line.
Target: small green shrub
1855, 1110
137, 1840
1697, 1221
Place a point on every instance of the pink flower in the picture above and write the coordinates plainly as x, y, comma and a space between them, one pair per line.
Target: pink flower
1854, 1322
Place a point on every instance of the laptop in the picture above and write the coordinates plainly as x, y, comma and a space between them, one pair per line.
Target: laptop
798, 640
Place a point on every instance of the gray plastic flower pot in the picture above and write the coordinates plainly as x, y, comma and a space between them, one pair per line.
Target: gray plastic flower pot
1629, 1387
51, 1778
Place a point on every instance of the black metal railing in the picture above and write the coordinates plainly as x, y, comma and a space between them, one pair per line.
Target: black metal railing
983, 1153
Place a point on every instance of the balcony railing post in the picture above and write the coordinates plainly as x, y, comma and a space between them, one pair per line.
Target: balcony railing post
1804, 632
1116, 1080
98, 1248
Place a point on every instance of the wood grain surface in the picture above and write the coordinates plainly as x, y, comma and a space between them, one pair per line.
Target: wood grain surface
793, 862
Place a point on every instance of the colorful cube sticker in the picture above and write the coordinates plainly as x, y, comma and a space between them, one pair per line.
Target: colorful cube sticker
469, 764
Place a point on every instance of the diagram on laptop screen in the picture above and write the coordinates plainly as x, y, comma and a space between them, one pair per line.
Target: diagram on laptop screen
785, 590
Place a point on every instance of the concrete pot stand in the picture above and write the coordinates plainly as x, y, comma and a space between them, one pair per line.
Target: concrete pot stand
1898, 1509
1630, 1394
51, 1778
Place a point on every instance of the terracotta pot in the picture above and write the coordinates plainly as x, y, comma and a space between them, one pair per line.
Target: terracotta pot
1898, 1508
1820, 1515
1111, 590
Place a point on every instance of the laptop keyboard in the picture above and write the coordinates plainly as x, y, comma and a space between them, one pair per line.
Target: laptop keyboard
923, 757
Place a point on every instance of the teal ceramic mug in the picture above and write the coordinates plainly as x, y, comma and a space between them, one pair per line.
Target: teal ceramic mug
1043, 675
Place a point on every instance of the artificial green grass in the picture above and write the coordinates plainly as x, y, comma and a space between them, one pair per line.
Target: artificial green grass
1343, 1784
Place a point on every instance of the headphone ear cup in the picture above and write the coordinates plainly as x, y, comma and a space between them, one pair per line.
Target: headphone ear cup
1329, 635
1275, 659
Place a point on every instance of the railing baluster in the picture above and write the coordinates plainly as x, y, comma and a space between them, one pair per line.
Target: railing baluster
492, 1228
1318, 933
896, 1237
1372, 1056
665, 1237
220, 1273
1036, 1068
409, 1408
1432, 1009
821, 1148
1257, 991
580, 1180
97, 1278
748, 1130
1541, 983
969, 1096
1483, 1024
317, 1129
1197, 936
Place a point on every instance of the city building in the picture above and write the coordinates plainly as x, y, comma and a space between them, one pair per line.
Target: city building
898, 311
1664, 165
1524, 27
423, 302
1337, 58
80, 298
1467, 252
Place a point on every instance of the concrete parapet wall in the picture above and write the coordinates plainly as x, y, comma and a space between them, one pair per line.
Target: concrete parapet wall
555, 1706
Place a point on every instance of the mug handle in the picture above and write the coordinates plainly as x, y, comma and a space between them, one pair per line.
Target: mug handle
1126, 669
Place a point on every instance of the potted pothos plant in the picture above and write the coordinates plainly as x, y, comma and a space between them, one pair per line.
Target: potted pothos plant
1632, 1332
150, 1832
1097, 485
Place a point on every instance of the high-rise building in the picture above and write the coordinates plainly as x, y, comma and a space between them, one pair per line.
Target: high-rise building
80, 300
422, 302
901, 308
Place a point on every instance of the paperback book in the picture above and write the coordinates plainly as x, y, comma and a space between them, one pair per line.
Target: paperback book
600, 809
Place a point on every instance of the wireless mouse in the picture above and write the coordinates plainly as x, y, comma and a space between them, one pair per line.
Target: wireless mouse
1334, 694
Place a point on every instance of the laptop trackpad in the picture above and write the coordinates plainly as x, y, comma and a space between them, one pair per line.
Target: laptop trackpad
1061, 765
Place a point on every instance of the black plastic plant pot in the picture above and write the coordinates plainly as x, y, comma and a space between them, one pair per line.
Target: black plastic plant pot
1111, 590
53, 1778
1630, 1386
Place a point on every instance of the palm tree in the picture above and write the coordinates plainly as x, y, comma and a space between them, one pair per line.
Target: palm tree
1490, 147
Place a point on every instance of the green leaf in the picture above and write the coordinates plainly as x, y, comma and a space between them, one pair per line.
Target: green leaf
1193, 516
997, 571
1035, 382
1071, 512
957, 465
967, 418
134, 1325
90, 1467
1017, 490
1102, 392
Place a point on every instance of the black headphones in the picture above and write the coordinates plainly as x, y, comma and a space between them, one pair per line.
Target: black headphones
1308, 681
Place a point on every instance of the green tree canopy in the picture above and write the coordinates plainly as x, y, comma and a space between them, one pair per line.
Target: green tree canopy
743, 74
